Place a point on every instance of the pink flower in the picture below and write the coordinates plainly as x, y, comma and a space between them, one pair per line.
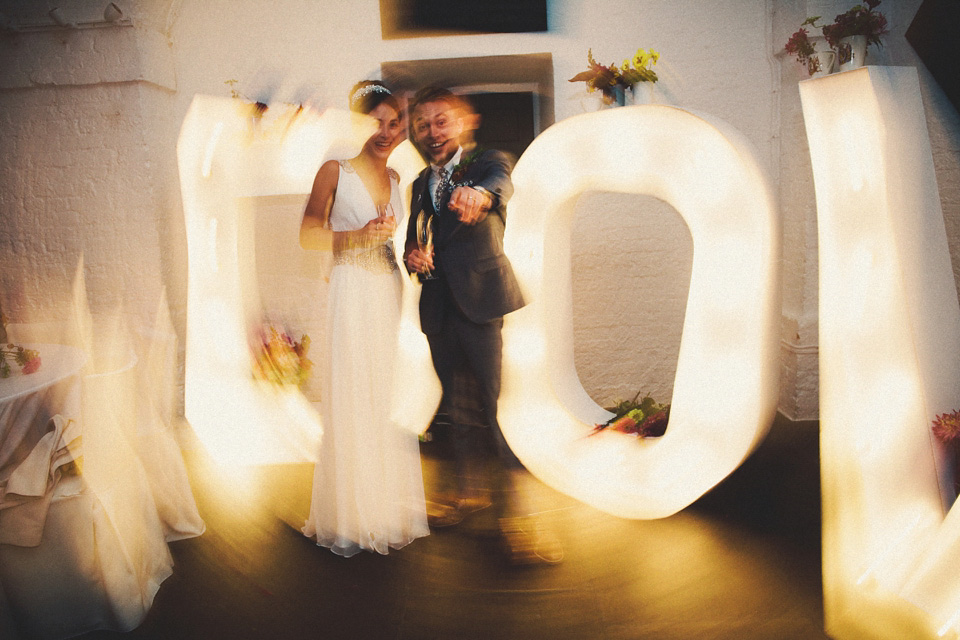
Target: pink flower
32, 365
946, 427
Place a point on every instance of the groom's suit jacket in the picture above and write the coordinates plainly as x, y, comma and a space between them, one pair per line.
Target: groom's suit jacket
468, 259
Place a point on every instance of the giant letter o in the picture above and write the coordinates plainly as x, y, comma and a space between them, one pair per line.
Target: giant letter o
725, 390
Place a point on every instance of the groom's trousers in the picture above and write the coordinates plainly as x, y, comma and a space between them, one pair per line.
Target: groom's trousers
467, 357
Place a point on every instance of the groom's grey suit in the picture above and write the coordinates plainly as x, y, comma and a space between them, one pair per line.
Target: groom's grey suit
469, 258
461, 311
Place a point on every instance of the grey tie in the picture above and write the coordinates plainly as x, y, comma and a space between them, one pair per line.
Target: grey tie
442, 183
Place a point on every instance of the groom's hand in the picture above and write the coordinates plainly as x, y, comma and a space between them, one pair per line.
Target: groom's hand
419, 262
470, 204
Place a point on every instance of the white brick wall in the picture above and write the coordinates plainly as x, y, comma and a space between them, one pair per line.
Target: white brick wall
89, 120
87, 171
631, 271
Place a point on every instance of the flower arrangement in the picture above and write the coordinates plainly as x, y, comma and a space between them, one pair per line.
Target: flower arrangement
643, 417
279, 359
607, 78
799, 44
27, 359
859, 20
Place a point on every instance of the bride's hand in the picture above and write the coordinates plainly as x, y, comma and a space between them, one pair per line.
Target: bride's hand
380, 228
389, 224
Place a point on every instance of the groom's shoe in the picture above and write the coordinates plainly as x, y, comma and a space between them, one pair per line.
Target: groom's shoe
449, 513
526, 541
440, 515
479, 502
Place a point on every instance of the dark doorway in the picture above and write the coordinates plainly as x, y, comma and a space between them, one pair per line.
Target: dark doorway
507, 120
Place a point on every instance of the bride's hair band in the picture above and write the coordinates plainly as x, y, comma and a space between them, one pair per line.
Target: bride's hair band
365, 89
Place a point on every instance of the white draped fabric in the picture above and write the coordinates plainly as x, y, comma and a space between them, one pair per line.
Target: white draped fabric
92, 486
38, 419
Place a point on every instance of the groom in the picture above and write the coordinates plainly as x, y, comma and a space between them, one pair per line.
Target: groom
462, 309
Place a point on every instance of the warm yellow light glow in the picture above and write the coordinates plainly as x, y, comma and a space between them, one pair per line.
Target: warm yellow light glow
725, 391
416, 386
208, 152
226, 156
889, 359
525, 347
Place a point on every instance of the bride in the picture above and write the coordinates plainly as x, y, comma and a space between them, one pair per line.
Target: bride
368, 486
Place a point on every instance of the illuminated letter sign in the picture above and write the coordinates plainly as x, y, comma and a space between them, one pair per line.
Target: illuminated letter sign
227, 155
725, 391
889, 359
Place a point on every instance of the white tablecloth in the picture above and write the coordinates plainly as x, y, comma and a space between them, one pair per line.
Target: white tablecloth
39, 418
29, 401
103, 549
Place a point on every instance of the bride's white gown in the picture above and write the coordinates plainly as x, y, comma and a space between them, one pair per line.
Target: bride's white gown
368, 486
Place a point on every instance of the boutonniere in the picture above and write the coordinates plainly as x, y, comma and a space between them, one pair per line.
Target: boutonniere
460, 169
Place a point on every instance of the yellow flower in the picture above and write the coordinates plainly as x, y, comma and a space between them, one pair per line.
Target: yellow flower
644, 57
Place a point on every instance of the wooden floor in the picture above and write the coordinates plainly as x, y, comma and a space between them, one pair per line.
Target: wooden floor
743, 562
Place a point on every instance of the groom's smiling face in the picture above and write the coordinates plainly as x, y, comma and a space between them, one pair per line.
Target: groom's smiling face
436, 128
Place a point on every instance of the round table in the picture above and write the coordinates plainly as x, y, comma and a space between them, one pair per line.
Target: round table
29, 401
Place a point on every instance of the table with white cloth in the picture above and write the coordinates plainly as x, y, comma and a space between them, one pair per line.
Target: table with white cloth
83, 535
39, 415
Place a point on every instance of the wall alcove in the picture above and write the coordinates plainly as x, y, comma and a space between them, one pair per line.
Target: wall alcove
636, 253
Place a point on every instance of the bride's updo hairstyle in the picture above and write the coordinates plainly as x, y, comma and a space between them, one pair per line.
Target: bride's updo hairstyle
367, 95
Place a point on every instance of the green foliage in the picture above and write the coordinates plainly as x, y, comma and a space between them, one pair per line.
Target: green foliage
646, 406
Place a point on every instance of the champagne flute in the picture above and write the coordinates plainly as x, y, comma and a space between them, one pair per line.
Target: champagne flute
425, 239
386, 212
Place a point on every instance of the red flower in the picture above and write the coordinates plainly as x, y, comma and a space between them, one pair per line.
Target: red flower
655, 425
800, 46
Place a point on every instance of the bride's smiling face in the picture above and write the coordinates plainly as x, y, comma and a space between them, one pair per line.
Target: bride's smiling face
389, 132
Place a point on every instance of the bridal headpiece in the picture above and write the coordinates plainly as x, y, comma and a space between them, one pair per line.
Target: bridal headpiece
364, 90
